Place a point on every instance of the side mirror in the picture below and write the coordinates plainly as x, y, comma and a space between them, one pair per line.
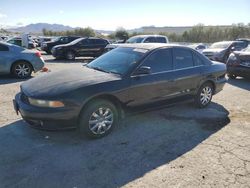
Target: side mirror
143, 70
233, 48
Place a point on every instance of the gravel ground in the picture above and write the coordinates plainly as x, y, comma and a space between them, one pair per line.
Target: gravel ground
179, 146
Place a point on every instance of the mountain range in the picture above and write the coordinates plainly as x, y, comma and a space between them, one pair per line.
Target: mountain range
38, 27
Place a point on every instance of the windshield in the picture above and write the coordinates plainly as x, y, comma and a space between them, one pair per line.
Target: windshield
135, 40
220, 45
117, 61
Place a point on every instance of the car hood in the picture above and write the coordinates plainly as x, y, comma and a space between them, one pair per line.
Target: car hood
216, 50
56, 83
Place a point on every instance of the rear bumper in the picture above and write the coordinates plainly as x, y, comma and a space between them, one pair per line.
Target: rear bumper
239, 71
46, 118
219, 84
38, 64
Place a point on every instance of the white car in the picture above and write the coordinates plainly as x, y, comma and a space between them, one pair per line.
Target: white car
140, 39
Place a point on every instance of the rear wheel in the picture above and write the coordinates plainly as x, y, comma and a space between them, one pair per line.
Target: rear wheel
98, 118
232, 76
22, 69
204, 95
70, 55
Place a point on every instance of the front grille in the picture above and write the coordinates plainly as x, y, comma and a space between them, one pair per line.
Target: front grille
24, 98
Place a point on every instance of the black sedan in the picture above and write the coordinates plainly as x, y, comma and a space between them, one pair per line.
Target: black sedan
238, 64
95, 96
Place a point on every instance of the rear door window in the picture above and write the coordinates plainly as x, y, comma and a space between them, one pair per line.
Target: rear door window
100, 42
150, 40
159, 61
182, 58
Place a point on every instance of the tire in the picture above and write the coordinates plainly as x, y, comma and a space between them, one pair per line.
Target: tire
70, 55
98, 119
231, 76
21, 70
204, 95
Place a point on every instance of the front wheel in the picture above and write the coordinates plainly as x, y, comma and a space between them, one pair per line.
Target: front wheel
70, 55
98, 118
204, 95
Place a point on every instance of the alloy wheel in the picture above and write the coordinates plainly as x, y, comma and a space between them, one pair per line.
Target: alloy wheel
206, 95
101, 120
22, 70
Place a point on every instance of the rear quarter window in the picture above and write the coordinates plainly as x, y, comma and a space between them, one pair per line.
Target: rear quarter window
199, 60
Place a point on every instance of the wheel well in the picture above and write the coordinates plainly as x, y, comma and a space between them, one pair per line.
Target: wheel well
20, 60
212, 83
109, 98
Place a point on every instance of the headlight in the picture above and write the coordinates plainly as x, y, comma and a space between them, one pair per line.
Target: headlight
44, 44
232, 57
45, 103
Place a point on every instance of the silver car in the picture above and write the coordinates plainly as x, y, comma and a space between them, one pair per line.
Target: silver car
18, 61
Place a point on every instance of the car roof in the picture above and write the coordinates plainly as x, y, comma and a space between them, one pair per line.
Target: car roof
143, 36
150, 46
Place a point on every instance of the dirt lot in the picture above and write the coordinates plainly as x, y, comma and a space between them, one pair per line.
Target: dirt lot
179, 146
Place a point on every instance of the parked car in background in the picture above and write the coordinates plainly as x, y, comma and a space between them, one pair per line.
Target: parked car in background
220, 51
82, 47
40, 40
198, 47
19, 61
95, 96
148, 39
140, 39
18, 41
238, 64
47, 46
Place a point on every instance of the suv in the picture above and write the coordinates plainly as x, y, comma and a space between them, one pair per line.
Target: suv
82, 47
141, 39
47, 46
220, 51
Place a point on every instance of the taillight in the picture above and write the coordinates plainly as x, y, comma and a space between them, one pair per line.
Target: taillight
38, 54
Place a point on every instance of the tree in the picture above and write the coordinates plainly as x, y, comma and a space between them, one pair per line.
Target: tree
121, 34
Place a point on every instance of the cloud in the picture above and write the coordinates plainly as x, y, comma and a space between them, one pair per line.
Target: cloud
61, 12
3, 15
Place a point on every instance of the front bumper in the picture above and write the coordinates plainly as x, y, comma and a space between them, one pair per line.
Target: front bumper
239, 71
46, 118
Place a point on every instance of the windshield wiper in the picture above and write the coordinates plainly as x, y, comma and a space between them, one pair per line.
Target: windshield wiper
100, 69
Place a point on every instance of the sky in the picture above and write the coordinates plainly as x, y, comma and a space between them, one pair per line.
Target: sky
130, 14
